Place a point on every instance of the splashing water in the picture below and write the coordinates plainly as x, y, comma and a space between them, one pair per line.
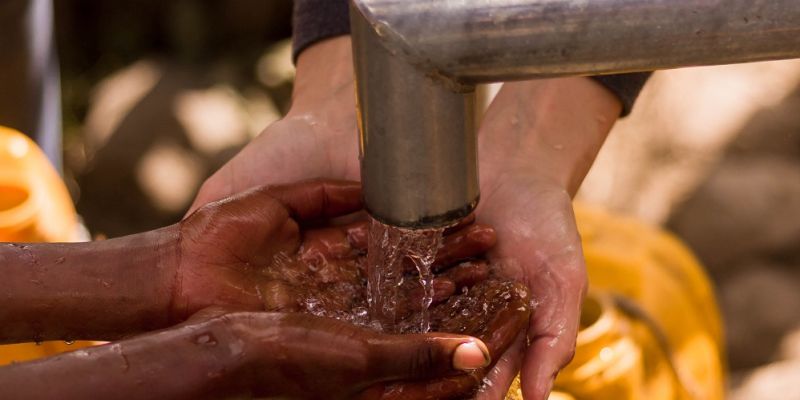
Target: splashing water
389, 247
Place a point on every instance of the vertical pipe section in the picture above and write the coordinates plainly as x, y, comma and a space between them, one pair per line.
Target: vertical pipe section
417, 135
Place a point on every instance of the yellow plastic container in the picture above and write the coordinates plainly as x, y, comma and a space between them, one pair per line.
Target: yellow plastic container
650, 326
35, 206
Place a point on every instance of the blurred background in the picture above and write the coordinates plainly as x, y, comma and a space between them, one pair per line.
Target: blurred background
158, 94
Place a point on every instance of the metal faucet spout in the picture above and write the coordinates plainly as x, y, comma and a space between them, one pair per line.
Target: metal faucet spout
416, 62
419, 166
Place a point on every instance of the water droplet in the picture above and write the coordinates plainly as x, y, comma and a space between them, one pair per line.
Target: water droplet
206, 339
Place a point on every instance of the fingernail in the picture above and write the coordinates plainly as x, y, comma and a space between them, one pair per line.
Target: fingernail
471, 355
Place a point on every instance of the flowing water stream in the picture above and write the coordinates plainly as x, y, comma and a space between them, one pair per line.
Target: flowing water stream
390, 250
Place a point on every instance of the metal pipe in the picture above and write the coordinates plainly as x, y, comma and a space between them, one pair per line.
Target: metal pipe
474, 41
416, 62
418, 144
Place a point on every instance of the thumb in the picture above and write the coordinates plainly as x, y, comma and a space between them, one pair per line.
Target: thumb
424, 356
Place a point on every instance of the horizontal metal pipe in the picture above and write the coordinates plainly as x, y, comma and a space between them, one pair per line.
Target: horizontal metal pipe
417, 61
474, 41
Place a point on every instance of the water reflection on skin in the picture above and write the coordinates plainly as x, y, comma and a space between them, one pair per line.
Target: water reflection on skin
328, 277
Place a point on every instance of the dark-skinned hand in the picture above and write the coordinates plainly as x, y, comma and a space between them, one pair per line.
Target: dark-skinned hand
322, 272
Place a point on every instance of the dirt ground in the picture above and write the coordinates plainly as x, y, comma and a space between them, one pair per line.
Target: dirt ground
157, 95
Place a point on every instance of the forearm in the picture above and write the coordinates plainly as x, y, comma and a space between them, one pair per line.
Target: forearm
190, 362
97, 290
325, 76
551, 129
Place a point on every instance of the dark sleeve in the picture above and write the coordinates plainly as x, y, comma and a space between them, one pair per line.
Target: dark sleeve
315, 20
625, 86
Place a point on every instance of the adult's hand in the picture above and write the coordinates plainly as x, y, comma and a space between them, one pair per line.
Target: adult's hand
229, 251
537, 142
251, 252
322, 272
317, 138
244, 354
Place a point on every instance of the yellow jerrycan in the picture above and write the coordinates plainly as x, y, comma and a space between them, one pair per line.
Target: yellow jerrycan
35, 206
650, 326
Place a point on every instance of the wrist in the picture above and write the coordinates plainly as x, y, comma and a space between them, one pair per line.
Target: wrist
550, 130
100, 290
167, 247
324, 71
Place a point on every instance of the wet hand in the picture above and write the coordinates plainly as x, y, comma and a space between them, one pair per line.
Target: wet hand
303, 356
326, 281
256, 251
228, 250
538, 141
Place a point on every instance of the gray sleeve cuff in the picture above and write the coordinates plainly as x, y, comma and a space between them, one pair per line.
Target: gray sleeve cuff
625, 86
316, 20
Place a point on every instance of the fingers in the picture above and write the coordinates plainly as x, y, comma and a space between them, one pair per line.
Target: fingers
468, 220
508, 323
547, 354
319, 198
279, 297
450, 388
252, 226
467, 274
502, 374
542, 363
358, 234
208, 313
446, 285
442, 290
463, 386
328, 242
467, 243
424, 356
